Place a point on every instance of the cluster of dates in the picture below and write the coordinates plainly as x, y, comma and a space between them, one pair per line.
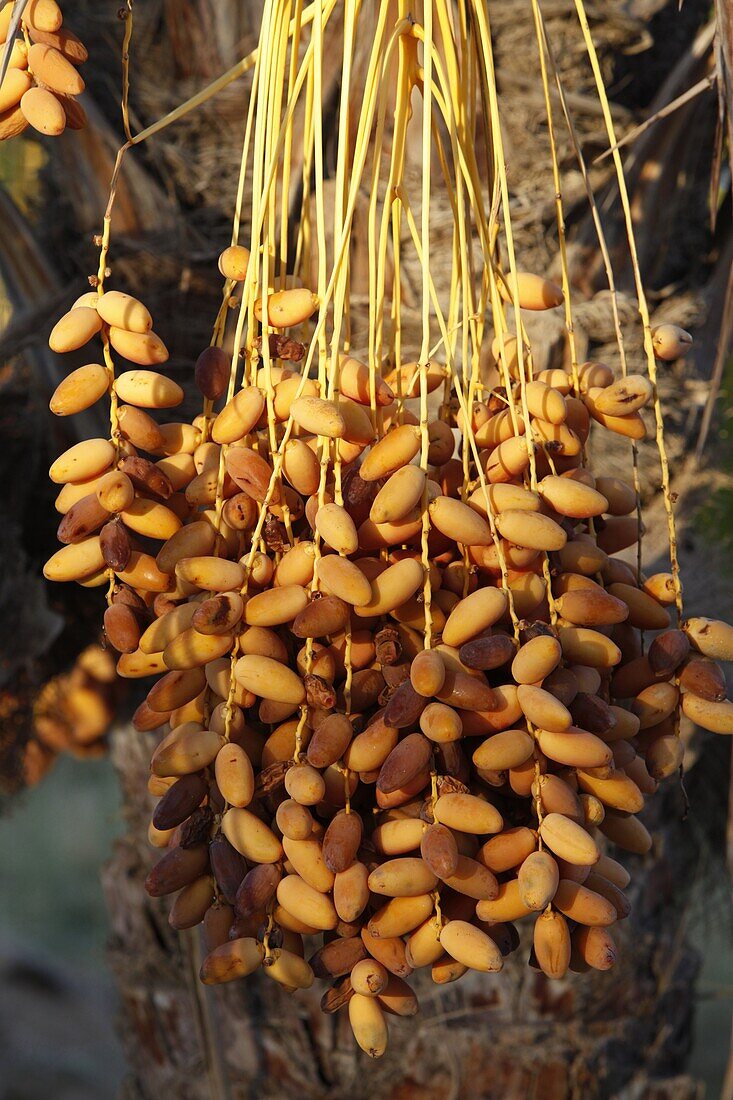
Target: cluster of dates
72, 712
42, 82
336, 800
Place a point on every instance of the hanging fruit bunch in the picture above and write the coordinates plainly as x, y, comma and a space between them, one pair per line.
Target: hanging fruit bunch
42, 82
72, 712
411, 696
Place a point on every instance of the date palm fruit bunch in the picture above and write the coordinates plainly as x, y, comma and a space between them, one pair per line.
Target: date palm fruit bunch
408, 694
72, 712
42, 81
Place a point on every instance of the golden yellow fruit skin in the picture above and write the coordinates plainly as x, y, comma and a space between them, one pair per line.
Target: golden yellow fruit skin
711, 637
712, 716
546, 402
233, 262
79, 390
193, 650
473, 614
583, 905
76, 327
392, 588
368, 1025
142, 572
351, 892
506, 749
12, 122
538, 880
631, 426
402, 877
499, 428
401, 493
670, 342
13, 88
625, 396
644, 611
6, 15
336, 528
289, 969
343, 578
654, 704
506, 906
286, 308
574, 748
275, 606
568, 840
269, 679
398, 837
185, 750
662, 587
369, 977
504, 496
543, 709
52, 69
585, 646
508, 849
552, 944
301, 467
400, 916
309, 904
469, 945
150, 519
210, 573
395, 450
424, 946
83, 461
293, 821
473, 879
239, 416
533, 291
305, 785
358, 428
75, 562
467, 813
536, 659
45, 15
618, 791
144, 348
571, 498
458, 521
44, 112
124, 311
318, 416
250, 836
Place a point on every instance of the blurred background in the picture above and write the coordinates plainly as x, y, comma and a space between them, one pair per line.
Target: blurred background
67, 810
